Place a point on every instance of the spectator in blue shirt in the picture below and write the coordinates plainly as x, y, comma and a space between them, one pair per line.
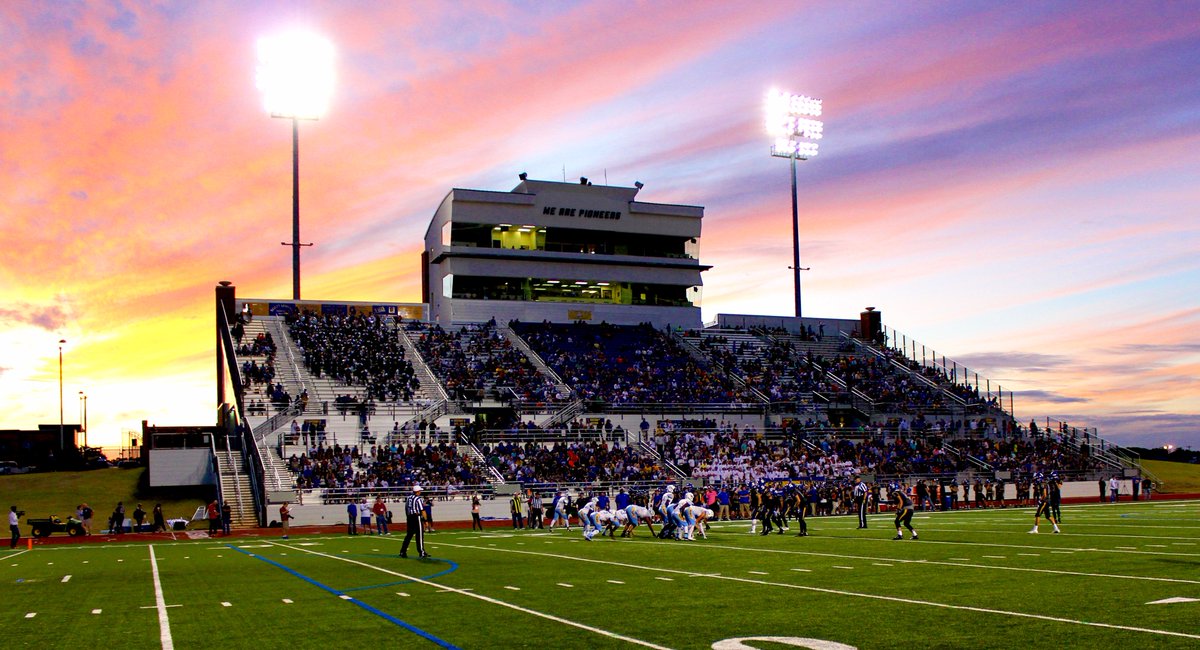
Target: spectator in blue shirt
723, 504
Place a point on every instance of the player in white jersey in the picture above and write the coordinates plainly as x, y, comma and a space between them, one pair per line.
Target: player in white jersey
683, 520
606, 520
698, 515
635, 515
560, 512
667, 498
587, 518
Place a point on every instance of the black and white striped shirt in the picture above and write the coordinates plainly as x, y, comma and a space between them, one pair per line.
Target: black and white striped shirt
860, 491
414, 504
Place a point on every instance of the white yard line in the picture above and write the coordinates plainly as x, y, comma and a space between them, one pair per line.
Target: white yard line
959, 563
551, 617
840, 592
164, 626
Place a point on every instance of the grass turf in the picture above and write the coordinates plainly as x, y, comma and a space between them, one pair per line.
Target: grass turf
42, 494
1177, 478
975, 579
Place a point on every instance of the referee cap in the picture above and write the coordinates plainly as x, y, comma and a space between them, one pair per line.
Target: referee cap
416, 488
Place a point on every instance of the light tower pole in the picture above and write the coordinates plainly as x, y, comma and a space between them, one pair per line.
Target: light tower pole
295, 75
62, 445
788, 121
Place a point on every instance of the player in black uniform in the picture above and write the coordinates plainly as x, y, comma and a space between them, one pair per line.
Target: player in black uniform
800, 509
1042, 493
904, 510
766, 508
756, 504
1055, 487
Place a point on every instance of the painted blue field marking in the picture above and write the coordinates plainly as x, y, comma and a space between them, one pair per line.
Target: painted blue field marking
453, 568
384, 615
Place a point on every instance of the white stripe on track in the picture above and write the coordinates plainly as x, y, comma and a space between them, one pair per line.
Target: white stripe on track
164, 625
840, 592
551, 617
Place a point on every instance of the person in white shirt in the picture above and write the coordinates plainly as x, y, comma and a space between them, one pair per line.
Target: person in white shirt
14, 521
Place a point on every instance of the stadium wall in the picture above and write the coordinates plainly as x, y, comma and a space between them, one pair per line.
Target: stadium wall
480, 311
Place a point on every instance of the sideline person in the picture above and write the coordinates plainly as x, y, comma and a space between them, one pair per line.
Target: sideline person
476, 524
85, 515
160, 523
285, 516
14, 520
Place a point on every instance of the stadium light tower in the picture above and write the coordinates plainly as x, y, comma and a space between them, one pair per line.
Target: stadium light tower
295, 75
795, 134
62, 445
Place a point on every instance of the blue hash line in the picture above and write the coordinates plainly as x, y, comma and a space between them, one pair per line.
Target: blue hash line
384, 615
453, 568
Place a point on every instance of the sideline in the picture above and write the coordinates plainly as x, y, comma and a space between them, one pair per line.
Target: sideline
839, 592
160, 603
556, 619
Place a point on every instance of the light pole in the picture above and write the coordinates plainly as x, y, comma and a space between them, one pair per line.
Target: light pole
295, 75
62, 445
795, 135
83, 398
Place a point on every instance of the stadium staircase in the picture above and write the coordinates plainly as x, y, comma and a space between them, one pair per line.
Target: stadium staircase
652, 451
467, 448
290, 369
746, 344
1110, 456
959, 456
236, 490
535, 358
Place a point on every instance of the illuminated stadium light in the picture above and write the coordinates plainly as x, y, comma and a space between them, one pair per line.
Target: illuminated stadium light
296, 74
789, 123
784, 148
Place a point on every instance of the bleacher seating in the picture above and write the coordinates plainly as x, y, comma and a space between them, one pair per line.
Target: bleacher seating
628, 365
356, 350
476, 361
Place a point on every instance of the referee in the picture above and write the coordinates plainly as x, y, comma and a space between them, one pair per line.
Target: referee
860, 501
414, 510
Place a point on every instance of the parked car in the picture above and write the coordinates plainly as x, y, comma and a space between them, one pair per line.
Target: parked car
11, 467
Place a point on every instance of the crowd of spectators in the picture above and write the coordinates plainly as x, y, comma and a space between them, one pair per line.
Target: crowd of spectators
355, 349
536, 462
377, 466
1026, 456
720, 452
627, 364
475, 360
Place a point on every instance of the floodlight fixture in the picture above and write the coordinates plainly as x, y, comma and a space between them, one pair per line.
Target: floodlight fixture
296, 74
794, 134
522, 176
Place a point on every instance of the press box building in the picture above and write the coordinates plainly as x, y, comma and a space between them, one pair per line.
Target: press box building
562, 252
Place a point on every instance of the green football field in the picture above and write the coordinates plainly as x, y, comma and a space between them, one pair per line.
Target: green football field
1119, 576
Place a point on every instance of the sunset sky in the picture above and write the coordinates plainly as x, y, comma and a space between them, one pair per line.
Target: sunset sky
1016, 185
